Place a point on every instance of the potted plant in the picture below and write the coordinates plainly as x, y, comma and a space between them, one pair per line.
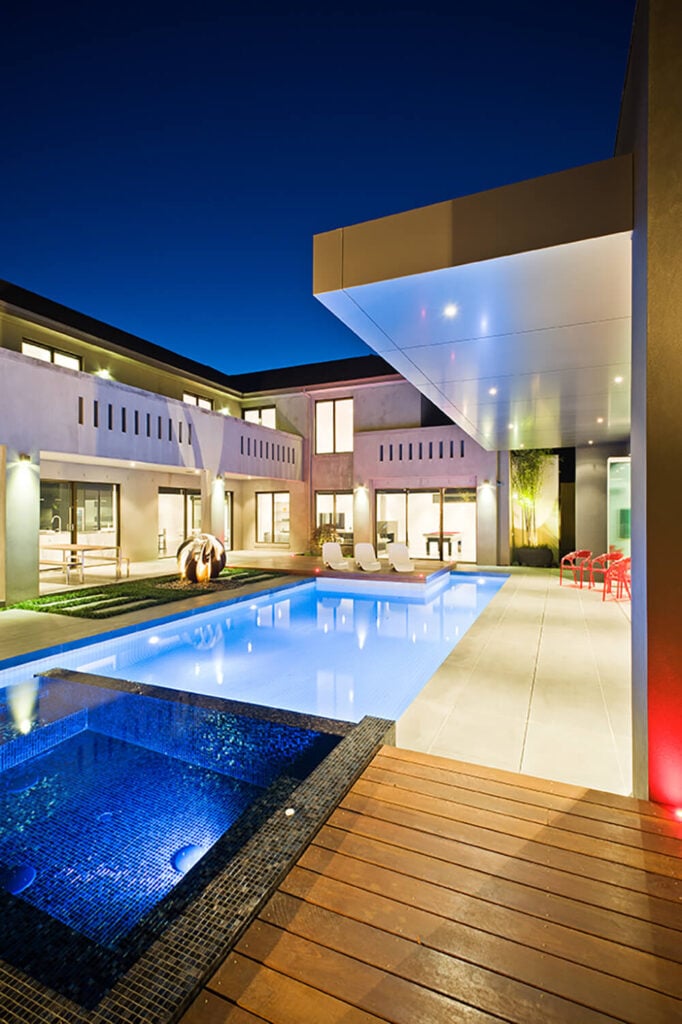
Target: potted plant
527, 471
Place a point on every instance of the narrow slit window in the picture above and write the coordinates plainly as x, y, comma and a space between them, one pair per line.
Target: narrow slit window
80, 411
95, 413
400, 453
461, 449
124, 421
179, 431
381, 453
110, 415
159, 427
409, 452
136, 422
440, 449
170, 430
149, 424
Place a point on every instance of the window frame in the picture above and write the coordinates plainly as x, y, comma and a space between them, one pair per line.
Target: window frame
272, 495
335, 449
198, 401
51, 352
260, 409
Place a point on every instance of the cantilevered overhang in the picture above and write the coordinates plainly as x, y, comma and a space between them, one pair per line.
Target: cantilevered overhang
509, 309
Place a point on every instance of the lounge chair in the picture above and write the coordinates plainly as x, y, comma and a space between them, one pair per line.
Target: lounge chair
399, 558
333, 557
366, 558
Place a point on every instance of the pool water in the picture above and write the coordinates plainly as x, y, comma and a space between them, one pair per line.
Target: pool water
333, 648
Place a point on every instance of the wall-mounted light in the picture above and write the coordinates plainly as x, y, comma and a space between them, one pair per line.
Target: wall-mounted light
104, 374
24, 457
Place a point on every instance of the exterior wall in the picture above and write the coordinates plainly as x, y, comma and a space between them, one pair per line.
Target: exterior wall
191, 438
591, 493
441, 457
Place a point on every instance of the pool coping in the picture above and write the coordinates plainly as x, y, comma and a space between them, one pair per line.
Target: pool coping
160, 985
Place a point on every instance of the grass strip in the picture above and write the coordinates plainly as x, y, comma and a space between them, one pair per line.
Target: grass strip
113, 599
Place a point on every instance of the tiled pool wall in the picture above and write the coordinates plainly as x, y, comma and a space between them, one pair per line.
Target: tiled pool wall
217, 898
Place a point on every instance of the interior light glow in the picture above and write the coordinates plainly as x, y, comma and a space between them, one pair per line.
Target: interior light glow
600, 419
590, 442
451, 310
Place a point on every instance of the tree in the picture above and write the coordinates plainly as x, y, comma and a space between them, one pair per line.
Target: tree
527, 470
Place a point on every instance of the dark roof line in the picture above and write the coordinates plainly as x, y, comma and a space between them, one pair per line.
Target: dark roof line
261, 380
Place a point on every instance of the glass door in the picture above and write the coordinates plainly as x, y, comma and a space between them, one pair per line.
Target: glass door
459, 524
618, 505
391, 519
424, 524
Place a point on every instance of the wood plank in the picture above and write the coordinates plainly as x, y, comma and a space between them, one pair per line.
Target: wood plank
496, 975
595, 796
410, 921
666, 850
208, 1008
629, 869
503, 908
367, 987
588, 893
279, 999
575, 805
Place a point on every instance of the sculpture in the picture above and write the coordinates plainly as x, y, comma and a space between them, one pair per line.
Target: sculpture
201, 558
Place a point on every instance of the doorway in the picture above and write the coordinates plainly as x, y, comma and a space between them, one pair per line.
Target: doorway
179, 518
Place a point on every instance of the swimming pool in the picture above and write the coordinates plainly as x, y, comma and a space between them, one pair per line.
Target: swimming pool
329, 647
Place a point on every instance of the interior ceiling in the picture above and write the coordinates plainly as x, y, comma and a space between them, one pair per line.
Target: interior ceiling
530, 350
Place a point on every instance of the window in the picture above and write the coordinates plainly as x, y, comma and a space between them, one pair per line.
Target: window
335, 508
272, 517
334, 426
50, 355
266, 416
202, 403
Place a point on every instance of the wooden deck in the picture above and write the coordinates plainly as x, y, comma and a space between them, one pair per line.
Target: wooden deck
444, 892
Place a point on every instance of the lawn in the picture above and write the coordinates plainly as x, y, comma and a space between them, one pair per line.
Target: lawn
115, 598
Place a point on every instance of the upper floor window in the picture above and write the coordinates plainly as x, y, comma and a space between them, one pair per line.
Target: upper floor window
50, 355
334, 426
266, 416
202, 403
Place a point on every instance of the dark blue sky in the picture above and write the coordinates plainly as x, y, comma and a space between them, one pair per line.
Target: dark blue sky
165, 166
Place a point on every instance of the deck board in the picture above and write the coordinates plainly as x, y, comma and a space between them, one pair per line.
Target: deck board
443, 892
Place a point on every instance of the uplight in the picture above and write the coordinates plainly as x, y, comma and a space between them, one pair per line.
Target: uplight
617, 380
451, 310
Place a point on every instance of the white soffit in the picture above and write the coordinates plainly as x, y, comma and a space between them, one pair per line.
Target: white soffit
531, 349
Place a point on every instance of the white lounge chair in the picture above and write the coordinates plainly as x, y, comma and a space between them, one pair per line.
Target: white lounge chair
332, 556
366, 558
399, 558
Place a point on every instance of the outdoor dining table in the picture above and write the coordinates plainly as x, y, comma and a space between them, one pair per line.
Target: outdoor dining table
76, 556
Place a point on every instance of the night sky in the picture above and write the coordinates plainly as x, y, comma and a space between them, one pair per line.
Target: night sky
165, 166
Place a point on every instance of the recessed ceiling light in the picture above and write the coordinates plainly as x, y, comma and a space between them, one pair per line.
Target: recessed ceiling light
492, 391
617, 380
451, 309
600, 419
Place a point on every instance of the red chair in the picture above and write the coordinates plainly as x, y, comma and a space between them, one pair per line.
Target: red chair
600, 563
617, 579
574, 562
